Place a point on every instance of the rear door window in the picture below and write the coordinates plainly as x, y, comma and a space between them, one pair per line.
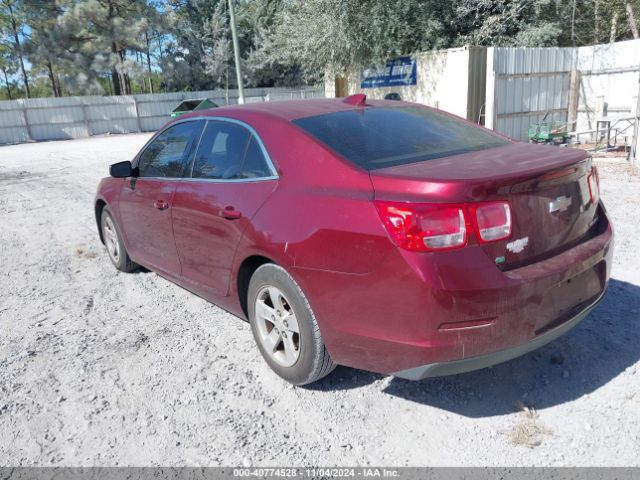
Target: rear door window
221, 151
375, 138
229, 151
254, 165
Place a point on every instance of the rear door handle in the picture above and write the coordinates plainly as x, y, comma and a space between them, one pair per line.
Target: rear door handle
161, 204
230, 213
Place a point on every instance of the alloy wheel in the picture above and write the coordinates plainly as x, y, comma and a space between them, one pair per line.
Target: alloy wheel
278, 329
111, 239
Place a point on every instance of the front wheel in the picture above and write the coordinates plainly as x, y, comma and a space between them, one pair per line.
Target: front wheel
114, 244
285, 328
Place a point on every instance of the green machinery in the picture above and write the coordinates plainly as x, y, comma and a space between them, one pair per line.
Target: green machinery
194, 105
548, 132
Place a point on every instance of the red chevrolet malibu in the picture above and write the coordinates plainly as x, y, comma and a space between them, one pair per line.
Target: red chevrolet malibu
381, 235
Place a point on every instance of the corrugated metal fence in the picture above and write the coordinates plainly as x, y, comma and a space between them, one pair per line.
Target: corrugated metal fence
526, 84
75, 117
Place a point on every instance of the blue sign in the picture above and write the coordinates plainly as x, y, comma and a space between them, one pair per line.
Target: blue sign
396, 73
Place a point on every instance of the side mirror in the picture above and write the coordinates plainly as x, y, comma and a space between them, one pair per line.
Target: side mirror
121, 170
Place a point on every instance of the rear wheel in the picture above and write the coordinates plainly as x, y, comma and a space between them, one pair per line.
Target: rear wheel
114, 244
285, 327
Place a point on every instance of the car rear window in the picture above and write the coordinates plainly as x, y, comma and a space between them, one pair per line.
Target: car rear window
375, 138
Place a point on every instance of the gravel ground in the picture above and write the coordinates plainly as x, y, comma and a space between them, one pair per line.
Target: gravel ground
103, 368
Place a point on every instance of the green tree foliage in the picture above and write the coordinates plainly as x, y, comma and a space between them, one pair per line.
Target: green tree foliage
8, 67
340, 34
12, 21
76, 47
185, 60
508, 23
44, 44
101, 34
262, 66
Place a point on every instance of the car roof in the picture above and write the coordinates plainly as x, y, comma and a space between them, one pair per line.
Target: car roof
295, 109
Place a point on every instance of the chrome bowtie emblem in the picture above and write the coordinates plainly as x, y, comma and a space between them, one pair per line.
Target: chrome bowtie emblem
560, 204
518, 245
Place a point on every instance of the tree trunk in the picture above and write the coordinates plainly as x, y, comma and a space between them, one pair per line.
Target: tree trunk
160, 47
52, 79
16, 39
115, 77
614, 28
115, 80
6, 82
146, 37
632, 20
122, 80
573, 23
127, 83
596, 23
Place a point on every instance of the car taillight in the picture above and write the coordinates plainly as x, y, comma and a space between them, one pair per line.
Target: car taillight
494, 221
433, 227
421, 227
594, 185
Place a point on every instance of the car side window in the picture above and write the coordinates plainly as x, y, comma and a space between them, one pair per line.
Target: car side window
168, 154
254, 165
221, 150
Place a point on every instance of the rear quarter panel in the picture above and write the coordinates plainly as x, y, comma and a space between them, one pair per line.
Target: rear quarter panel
320, 218
321, 206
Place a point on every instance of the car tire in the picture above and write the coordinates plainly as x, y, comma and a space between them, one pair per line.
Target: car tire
277, 308
112, 239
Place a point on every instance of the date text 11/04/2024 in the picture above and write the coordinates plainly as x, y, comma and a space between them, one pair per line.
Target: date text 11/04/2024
319, 472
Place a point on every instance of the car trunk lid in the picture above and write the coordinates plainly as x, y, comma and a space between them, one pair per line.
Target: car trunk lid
547, 189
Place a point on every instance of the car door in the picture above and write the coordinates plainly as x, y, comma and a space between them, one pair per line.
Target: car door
146, 200
231, 177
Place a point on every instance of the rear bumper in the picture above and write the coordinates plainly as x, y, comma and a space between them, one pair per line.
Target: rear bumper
422, 315
482, 361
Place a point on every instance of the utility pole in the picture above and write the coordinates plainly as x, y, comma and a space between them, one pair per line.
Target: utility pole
236, 52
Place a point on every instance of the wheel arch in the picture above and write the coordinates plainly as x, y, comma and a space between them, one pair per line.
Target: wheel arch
98, 207
245, 271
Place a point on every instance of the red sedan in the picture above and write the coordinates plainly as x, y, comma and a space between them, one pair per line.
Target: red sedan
381, 235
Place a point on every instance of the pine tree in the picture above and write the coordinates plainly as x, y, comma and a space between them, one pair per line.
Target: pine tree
8, 67
44, 45
101, 33
11, 26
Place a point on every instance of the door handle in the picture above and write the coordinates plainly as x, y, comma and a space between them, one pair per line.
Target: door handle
230, 213
161, 204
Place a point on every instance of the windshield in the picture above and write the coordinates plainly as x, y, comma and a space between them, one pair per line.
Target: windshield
375, 138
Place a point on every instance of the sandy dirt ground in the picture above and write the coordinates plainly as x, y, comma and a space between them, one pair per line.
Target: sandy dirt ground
103, 368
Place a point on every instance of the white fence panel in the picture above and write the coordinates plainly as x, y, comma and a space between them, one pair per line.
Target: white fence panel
60, 131
11, 119
75, 117
527, 85
609, 74
15, 134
